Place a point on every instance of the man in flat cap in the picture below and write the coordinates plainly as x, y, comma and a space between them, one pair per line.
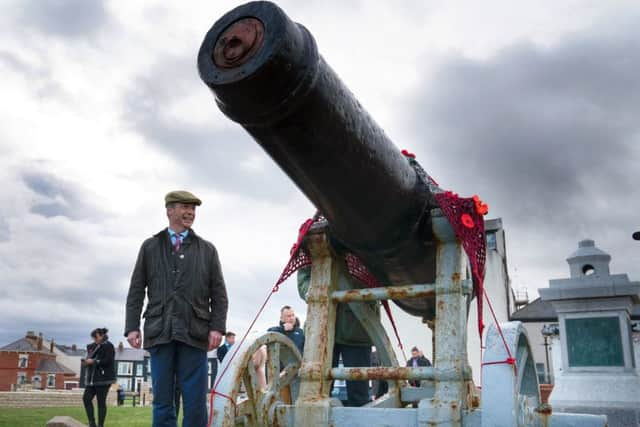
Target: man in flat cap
185, 315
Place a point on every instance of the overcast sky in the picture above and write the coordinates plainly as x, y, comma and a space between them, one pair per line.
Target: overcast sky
531, 105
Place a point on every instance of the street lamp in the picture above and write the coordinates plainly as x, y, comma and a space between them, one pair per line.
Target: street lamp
547, 332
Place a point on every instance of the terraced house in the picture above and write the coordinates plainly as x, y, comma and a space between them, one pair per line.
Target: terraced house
29, 363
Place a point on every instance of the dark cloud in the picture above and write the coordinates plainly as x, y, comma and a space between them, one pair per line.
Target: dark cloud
64, 18
548, 136
60, 198
210, 153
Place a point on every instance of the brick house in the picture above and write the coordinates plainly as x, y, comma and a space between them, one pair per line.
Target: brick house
28, 361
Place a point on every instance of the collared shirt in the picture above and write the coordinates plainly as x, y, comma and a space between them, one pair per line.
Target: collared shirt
173, 235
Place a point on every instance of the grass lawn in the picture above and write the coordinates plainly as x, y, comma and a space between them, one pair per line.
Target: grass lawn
124, 416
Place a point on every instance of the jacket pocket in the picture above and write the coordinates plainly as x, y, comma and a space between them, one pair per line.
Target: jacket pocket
199, 328
153, 323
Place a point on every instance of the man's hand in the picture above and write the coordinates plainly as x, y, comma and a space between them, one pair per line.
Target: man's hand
88, 361
133, 338
288, 326
215, 339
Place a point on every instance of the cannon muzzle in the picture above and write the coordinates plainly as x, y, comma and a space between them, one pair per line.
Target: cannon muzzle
267, 75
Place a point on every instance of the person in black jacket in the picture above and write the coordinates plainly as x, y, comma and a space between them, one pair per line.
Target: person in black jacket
179, 274
100, 374
229, 341
417, 359
290, 327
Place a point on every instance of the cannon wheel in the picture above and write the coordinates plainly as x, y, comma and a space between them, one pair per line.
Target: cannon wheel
510, 395
245, 404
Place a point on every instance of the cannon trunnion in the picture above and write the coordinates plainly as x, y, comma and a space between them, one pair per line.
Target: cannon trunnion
266, 74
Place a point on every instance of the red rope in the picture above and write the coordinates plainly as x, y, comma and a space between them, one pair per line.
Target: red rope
387, 309
284, 276
361, 273
510, 359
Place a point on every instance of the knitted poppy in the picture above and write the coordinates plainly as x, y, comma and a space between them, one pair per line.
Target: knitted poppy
481, 207
467, 221
408, 154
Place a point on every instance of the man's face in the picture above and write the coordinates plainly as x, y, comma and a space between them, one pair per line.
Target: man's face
415, 354
231, 339
181, 214
288, 316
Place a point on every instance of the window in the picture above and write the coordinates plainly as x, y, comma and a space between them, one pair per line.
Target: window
125, 368
540, 370
22, 378
51, 381
491, 241
23, 361
139, 369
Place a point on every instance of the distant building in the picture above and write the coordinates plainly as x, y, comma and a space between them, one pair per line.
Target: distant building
28, 363
70, 356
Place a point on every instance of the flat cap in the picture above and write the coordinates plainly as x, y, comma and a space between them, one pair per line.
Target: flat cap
181, 197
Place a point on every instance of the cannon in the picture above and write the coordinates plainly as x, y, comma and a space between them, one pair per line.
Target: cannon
267, 75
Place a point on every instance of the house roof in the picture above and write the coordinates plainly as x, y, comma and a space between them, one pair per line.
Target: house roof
50, 366
542, 311
131, 354
69, 351
25, 345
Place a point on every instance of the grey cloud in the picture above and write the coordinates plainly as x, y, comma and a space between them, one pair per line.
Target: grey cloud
64, 18
211, 154
548, 136
62, 198
541, 124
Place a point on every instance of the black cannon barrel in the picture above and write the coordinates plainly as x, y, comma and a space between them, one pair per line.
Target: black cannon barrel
266, 74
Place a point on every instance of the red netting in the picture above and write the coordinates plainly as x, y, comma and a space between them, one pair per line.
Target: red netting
465, 216
299, 257
358, 271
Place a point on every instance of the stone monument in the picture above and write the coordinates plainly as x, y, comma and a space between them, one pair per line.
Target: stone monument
599, 373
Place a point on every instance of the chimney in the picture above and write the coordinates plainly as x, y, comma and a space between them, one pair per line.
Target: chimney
31, 334
51, 347
120, 347
39, 342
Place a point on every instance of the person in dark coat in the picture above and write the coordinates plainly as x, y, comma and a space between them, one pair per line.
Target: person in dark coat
180, 274
229, 341
290, 327
100, 374
417, 359
352, 343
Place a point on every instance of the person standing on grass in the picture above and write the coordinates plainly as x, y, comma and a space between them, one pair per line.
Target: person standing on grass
100, 374
186, 312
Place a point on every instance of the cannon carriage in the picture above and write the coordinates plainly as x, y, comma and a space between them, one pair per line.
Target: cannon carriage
267, 75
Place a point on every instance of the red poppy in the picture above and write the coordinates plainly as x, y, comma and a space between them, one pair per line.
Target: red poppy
467, 221
481, 207
408, 154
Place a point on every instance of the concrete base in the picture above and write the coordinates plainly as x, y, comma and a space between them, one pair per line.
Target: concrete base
616, 417
596, 390
64, 422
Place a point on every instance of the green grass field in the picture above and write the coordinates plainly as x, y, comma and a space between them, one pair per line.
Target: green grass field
37, 417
